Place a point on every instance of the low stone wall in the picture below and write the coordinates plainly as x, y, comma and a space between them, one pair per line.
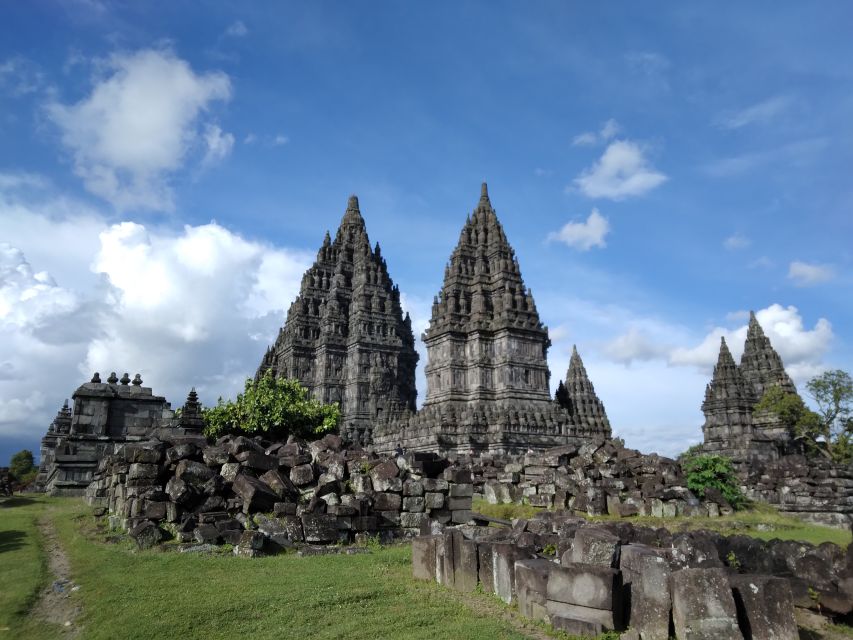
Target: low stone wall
653, 582
814, 489
596, 478
291, 493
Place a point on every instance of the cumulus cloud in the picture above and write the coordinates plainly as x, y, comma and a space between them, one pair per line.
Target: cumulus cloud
802, 350
622, 171
584, 235
137, 126
590, 138
760, 113
736, 241
805, 274
634, 346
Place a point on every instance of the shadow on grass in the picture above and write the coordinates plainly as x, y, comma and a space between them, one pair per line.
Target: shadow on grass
11, 540
15, 501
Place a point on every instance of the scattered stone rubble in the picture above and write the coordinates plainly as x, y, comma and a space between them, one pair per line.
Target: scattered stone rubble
657, 584
597, 478
259, 495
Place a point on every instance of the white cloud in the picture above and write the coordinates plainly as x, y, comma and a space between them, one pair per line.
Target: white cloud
804, 274
621, 172
250, 138
802, 350
760, 113
584, 235
590, 138
635, 345
736, 241
280, 140
137, 126
219, 144
237, 30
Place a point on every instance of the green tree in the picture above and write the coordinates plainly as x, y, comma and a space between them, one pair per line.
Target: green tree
22, 466
827, 432
708, 471
274, 408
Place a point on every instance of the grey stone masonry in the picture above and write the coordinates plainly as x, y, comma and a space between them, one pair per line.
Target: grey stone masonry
487, 372
577, 395
345, 337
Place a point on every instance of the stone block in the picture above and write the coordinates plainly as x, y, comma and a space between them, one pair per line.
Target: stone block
284, 508
387, 502
465, 564
586, 585
765, 607
256, 495
485, 566
531, 585
444, 560
180, 451
388, 519
140, 470
272, 528
413, 488
504, 556
423, 557
455, 504
302, 475
155, 510
458, 476
146, 534
194, 473
178, 491
461, 516
320, 527
415, 504
607, 619
413, 520
293, 527
703, 607
383, 476
229, 471
206, 534
249, 544
575, 627
215, 456
361, 483
257, 460
280, 484
645, 579
461, 490
433, 500
365, 523
435, 484
595, 546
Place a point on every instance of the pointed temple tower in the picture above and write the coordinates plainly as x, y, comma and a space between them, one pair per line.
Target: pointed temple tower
487, 372
732, 426
578, 397
346, 338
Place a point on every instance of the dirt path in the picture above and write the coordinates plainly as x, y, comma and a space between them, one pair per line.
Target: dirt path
55, 604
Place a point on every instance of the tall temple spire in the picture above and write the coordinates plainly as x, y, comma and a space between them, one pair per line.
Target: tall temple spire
727, 384
578, 396
760, 365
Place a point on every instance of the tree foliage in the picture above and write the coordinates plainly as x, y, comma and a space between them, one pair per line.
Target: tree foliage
271, 407
828, 431
713, 472
22, 466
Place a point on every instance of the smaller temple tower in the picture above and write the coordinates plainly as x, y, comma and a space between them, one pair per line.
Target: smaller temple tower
577, 396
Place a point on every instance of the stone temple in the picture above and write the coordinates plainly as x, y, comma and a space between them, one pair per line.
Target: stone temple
732, 426
346, 338
487, 372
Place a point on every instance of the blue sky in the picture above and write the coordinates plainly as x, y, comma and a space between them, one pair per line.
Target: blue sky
167, 172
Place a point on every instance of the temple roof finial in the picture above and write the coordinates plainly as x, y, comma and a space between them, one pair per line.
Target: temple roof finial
484, 194
352, 203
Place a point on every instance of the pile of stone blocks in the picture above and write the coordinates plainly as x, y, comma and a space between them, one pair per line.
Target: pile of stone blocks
656, 584
316, 493
596, 478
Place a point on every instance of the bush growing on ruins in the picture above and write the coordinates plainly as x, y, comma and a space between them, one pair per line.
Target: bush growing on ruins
274, 408
714, 472
828, 431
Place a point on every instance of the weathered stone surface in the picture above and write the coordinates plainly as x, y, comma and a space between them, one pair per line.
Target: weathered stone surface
178, 491
586, 585
319, 527
387, 501
465, 564
206, 534
646, 576
423, 557
140, 470
215, 456
595, 546
302, 475
384, 476
229, 471
257, 460
703, 606
765, 607
531, 585
194, 473
146, 534
256, 495
280, 484
250, 544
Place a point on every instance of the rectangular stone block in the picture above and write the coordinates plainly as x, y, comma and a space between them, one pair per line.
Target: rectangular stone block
461, 490
435, 484
415, 504
765, 607
607, 619
433, 500
465, 564
531, 585
423, 557
645, 579
387, 502
575, 627
703, 607
461, 516
444, 561
486, 566
595, 546
504, 557
320, 527
586, 585
413, 520
456, 504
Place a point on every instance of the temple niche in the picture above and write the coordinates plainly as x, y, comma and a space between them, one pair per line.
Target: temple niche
346, 338
732, 425
487, 371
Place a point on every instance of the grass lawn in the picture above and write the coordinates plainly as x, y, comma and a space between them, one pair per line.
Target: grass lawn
130, 594
761, 521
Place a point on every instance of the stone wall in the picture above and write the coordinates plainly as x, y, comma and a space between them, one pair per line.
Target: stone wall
291, 493
656, 583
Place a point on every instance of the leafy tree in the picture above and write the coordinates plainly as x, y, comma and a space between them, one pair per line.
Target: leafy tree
274, 408
713, 472
22, 467
827, 432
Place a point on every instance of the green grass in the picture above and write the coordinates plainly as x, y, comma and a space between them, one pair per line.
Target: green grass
154, 595
760, 521
22, 564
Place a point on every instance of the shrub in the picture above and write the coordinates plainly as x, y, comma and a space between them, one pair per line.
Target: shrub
271, 407
714, 472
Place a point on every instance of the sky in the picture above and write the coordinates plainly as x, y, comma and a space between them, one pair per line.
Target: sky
168, 171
